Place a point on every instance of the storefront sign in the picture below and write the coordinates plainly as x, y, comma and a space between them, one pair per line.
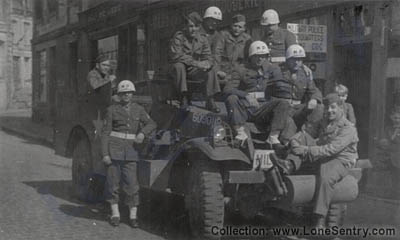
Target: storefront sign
312, 37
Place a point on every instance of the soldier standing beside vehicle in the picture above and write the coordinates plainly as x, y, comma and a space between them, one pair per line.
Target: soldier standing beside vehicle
190, 56
298, 89
126, 126
332, 145
246, 99
231, 47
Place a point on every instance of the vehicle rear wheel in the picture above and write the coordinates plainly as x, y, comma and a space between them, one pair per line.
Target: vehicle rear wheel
82, 175
206, 201
336, 214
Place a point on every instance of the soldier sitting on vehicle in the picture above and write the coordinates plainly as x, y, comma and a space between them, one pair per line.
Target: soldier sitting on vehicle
331, 146
101, 83
298, 89
246, 100
230, 48
122, 132
190, 56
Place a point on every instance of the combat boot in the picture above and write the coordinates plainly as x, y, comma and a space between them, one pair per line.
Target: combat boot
241, 134
285, 165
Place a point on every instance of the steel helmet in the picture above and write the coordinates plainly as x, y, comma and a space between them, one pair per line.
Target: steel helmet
258, 47
270, 17
213, 12
126, 86
295, 51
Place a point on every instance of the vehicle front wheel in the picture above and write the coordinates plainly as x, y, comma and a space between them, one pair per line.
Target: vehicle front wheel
206, 199
82, 174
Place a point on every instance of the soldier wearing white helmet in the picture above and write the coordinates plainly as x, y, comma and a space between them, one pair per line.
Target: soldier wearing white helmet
246, 99
277, 39
122, 132
298, 89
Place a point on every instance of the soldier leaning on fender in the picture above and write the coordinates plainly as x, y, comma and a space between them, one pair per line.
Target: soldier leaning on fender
121, 132
190, 57
332, 145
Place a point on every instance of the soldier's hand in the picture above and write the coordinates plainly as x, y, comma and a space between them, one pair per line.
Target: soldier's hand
107, 160
252, 101
300, 150
312, 104
308, 71
221, 74
139, 138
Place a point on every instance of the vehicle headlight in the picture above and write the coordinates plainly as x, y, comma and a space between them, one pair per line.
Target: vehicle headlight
218, 136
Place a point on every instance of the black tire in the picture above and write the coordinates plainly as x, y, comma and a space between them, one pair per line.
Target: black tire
336, 214
206, 198
83, 179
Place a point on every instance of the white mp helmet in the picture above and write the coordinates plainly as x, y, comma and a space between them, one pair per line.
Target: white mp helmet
295, 51
259, 48
126, 86
213, 12
269, 17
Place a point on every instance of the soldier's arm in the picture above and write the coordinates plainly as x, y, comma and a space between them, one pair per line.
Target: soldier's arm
219, 49
177, 54
314, 92
290, 39
346, 135
231, 87
107, 128
149, 124
95, 80
206, 53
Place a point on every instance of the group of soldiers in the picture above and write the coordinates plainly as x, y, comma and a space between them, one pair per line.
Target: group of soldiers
264, 81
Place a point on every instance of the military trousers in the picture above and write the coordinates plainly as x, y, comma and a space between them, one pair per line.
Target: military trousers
273, 113
308, 117
122, 175
328, 171
181, 73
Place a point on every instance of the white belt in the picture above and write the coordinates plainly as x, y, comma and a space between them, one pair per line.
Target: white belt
123, 135
257, 95
278, 59
292, 102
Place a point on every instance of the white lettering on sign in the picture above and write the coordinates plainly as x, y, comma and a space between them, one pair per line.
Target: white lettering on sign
262, 159
313, 38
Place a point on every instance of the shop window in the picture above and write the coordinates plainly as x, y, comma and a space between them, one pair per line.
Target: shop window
17, 72
43, 81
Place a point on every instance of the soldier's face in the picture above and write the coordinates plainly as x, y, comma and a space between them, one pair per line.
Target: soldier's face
125, 97
192, 28
210, 24
104, 67
343, 97
294, 64
333, 111
238, 28
269, 29
257, 60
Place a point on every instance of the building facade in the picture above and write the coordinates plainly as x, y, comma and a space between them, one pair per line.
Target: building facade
15, 54
362, 52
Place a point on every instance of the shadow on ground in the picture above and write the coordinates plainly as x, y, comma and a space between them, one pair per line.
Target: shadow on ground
59, 188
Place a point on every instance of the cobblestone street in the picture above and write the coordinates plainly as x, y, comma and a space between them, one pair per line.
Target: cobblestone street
35, 201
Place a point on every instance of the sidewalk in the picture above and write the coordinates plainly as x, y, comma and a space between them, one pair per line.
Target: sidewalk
19, 122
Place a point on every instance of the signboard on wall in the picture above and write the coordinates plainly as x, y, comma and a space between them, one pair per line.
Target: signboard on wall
312, 37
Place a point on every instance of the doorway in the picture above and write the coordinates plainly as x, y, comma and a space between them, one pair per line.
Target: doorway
353, 69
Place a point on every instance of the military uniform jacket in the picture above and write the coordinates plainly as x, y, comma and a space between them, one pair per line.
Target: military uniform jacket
247, 79
230, 50
297, 86
279, 41
96, 79
188, 51
336, 140
134, 120
100, 88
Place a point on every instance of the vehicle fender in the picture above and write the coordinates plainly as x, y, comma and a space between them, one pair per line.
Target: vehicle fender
220, 153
